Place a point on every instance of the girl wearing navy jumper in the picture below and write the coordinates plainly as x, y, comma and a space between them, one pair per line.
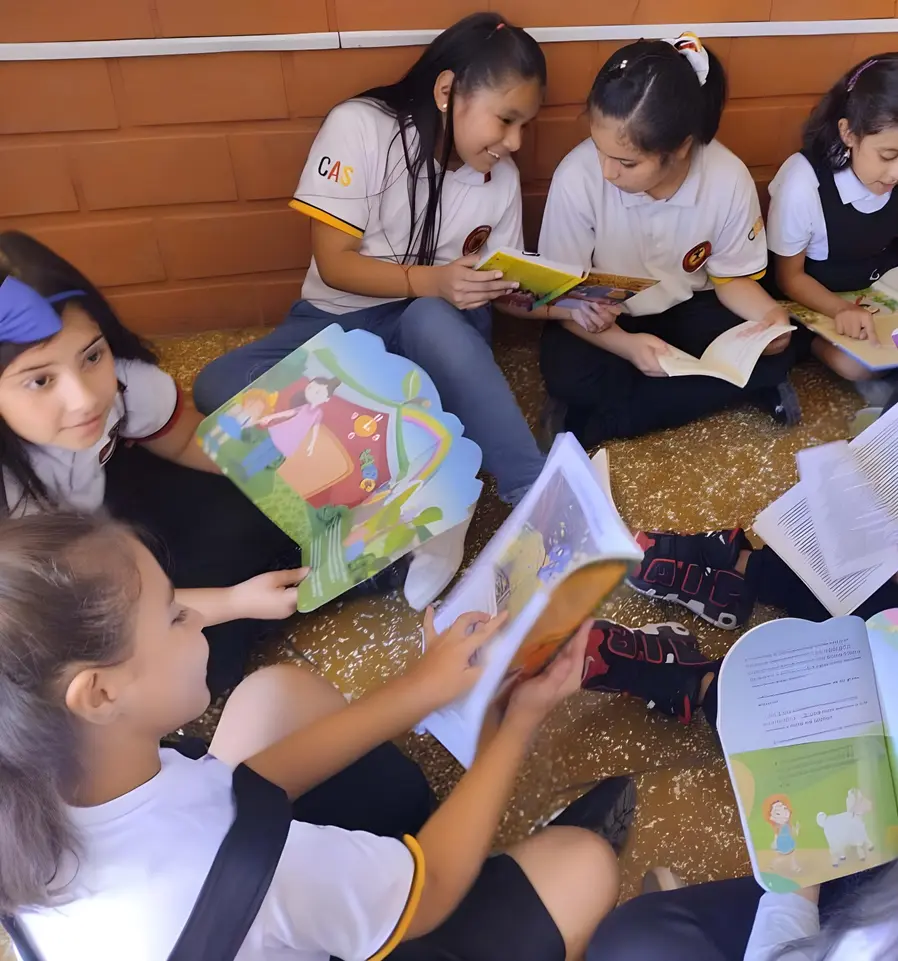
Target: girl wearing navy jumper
833, 222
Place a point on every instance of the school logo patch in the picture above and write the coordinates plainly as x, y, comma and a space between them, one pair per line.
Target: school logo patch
697, 256
756, 229
475, 240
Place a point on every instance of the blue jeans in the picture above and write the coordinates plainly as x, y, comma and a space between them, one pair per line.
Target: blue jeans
452, 345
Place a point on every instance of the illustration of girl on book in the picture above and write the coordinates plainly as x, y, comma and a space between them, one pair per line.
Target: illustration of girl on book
289, 429
778, 813
249, 409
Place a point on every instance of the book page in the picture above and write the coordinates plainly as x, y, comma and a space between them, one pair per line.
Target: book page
788, 528
882, 357
882, 631
564, 524
609, 289
538, 279
802, 730
731, 356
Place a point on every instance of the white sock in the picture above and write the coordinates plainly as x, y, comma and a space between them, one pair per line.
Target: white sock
434, 564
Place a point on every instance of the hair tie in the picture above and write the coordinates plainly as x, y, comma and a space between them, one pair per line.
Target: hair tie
852, 82
500, 26
689, 45
25, 316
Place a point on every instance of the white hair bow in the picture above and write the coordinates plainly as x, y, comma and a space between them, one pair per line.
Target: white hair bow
689, 45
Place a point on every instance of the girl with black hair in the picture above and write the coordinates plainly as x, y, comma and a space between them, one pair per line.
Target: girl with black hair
87, 419
406, 184
833, 222
653, 194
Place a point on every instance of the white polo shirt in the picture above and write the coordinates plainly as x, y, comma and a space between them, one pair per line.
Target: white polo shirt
795, 222
710, 230
146, 408
145, 856
356, 180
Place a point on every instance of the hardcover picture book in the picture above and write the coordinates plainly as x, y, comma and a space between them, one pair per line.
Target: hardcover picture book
347, 449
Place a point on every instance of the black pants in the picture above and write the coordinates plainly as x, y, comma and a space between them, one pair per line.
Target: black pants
607, 397
205, 534
707, 922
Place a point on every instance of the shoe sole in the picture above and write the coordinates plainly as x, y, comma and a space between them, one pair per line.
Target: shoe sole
726, 622
606, 809
790, 404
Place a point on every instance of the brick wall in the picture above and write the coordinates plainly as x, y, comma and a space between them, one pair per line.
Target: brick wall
165, 178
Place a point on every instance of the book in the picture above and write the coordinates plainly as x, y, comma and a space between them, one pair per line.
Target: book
808, 719
883, 356
544, 282
560, 552
347, 449
880, 297
731, 356
836, 528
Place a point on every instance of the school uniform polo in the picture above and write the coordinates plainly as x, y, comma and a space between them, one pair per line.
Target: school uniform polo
146, 406
710, 230
848, 233
356, 180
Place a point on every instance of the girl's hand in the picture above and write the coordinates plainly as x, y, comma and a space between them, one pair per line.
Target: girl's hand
449, 668
594, 318
777, 317
467, 288
268, 597
856, 323
532, 700
643, 351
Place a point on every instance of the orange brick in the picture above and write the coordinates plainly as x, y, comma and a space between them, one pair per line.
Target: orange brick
276, 297
219, 245
50, 95
207, 87
774, 66
540, 13
556, 135
701, 11
268, 164
869, 44
224, 18
401, 14
111, 254
150, 171
175, 310
764, 132
31, 21
317, 80
35, 180
832, 9
572, 69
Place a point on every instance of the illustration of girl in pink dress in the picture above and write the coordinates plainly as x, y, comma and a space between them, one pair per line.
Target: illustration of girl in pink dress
289, 429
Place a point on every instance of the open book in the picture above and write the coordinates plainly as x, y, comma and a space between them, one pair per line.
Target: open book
731, 356
880, 297
838, 527
547, 282
347, 449
808, 716
873, 357
557, 556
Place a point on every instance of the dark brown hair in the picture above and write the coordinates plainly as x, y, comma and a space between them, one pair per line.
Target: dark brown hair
68, 583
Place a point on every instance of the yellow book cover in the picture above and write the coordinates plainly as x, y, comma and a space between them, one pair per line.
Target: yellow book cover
538, 281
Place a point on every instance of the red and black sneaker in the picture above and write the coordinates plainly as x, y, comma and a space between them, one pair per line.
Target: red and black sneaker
660, 663
698, 572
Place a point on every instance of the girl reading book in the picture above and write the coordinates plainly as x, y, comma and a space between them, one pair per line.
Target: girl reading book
833, 222
106, 840
652, 194
406, 184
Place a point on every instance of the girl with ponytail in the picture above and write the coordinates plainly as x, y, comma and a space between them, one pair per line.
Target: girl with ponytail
652, 194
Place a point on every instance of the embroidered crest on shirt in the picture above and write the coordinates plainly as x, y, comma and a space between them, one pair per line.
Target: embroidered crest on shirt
475, 240
756, 229
697, 256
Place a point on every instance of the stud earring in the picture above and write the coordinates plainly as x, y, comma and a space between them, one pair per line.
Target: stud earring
443, 108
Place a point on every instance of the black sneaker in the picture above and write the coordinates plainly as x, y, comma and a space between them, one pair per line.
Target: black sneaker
551, 422
781, 402
606, 809
698, 572
660, 663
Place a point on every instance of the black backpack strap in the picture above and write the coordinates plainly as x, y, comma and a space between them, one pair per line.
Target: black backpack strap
238, 880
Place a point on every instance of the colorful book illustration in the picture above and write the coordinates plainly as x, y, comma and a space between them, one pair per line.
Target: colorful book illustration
731, 356
347, 449
544, 281
808, 717
883, 306
561, 551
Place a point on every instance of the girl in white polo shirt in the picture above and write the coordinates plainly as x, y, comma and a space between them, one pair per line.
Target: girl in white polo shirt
833, 222
406, 184
653, 194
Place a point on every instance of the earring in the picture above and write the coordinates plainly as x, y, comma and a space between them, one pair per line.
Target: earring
443, 108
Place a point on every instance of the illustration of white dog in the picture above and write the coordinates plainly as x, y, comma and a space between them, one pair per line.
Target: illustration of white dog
847, 830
